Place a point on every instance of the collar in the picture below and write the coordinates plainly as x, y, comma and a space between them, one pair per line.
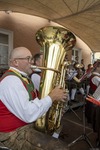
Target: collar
18, 71
37, 70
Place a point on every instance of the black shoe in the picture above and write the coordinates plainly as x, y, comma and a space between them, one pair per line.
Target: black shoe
74, 101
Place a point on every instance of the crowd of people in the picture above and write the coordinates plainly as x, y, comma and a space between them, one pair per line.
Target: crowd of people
80, 80
20, 106
87, 83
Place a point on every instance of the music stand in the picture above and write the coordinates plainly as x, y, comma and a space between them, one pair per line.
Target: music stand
84, 135
71, 109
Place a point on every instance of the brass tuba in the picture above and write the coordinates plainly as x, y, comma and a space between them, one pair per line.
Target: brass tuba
55, 41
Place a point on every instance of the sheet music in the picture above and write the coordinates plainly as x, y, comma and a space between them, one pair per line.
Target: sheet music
96, 94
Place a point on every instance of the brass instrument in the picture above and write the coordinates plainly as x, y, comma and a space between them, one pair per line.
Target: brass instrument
55, 42
79, 66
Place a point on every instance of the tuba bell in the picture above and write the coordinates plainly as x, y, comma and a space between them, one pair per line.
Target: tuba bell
55, 41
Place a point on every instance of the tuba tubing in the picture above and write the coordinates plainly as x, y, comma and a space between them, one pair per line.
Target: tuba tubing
43, 68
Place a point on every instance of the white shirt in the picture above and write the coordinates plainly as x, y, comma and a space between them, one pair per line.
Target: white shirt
36, 79
15, 97
71, 74
96, 94
96, 79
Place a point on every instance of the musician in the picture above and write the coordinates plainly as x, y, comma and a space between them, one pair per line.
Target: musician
94, 82
83, 67
19, 104
95, 78
95, 99
89, 73
80, 85
73, 85
92, 109
94, 87
36, 74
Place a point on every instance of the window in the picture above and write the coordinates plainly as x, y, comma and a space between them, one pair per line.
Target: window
6, 44
76, 54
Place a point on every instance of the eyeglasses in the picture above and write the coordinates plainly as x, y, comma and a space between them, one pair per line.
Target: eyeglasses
29, 58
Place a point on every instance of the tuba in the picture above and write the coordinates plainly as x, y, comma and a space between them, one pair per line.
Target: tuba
55, 41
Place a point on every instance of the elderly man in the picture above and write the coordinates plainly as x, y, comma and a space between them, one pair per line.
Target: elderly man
19, 104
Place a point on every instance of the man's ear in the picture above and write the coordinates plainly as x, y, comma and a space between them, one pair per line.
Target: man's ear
16, 63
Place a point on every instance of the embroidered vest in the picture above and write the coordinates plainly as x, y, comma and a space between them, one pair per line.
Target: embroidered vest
8, 121
93, 87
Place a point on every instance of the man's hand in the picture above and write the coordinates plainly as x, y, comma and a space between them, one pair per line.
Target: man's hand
58, 94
